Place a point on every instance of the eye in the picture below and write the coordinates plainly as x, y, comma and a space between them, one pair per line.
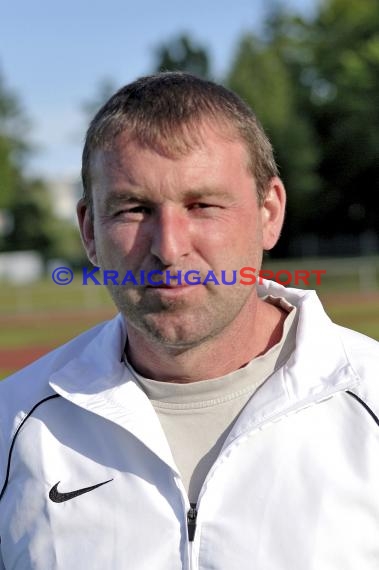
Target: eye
204, 209
201, 206
138, 210
133, 212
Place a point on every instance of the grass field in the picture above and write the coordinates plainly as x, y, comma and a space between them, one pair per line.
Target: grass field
36, 318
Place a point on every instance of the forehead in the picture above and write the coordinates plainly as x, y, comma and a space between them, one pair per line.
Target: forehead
208, 150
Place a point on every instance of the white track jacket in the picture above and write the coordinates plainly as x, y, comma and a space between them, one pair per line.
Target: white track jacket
88, 482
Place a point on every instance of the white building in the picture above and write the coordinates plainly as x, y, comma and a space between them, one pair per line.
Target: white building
65, 193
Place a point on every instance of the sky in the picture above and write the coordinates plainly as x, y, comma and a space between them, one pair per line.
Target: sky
53, 56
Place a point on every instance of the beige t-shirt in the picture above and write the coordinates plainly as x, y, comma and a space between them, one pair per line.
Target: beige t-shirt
197, 417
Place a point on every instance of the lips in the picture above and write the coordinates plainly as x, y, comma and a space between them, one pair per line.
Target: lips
171, 279
162, 281
168, 286
171, 290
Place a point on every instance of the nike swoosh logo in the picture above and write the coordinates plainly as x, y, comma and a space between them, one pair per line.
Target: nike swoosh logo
57, 497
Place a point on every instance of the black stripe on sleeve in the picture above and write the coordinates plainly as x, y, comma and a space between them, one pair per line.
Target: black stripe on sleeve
366, 407
14, 440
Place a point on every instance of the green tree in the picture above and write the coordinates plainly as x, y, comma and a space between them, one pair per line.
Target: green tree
343, 82
13, 146
265, 75
182, 54
33, 224
24, 202
314, 83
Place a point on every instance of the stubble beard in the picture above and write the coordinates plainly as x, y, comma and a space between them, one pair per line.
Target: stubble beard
177, 324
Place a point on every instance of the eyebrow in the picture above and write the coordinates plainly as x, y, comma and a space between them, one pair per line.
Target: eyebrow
197, 194
136, 195
125, 198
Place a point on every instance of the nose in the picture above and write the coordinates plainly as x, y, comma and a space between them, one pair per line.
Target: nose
171, 237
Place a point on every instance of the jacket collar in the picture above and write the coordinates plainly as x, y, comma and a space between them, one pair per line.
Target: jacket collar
97, 379
317, 369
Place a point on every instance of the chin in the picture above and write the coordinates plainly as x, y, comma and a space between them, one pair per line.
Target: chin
176, 334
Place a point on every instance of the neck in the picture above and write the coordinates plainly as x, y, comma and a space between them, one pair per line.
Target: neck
252, 334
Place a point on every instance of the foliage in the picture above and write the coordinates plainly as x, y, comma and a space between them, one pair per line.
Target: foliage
263, 75
344, 95
315, 84
182, 54
24, 202
13, 146
32, 220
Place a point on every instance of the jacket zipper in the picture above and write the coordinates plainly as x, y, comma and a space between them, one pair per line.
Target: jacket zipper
191, 521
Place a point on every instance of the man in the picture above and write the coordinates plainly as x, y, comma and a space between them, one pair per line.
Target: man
208, 425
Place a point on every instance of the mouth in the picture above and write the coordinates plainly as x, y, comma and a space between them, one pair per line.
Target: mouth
170, 283
171, 290
165, 286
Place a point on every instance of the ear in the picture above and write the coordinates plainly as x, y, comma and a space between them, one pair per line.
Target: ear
272, 212
85, 219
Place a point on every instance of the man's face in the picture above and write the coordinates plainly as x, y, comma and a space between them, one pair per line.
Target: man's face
194, 212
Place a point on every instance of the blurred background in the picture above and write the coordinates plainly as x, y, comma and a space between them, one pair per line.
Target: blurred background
310, 70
